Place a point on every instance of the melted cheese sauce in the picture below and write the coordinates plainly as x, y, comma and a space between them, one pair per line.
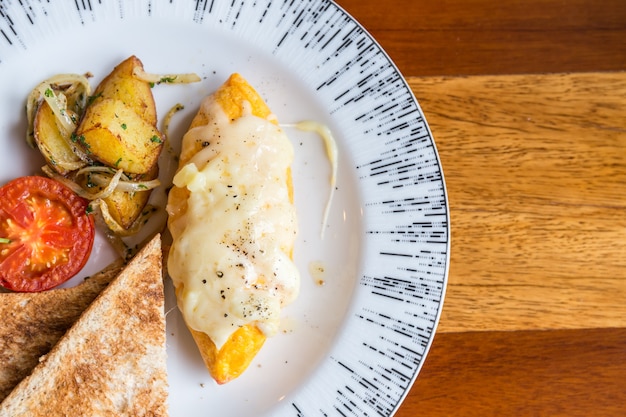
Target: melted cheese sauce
233, 235
331, 153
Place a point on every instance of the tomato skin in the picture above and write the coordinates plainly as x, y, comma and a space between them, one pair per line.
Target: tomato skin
48, 233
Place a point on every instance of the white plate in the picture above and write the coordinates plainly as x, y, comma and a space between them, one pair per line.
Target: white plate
352, 346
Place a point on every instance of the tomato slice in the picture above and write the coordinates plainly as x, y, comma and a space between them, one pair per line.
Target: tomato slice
46, 235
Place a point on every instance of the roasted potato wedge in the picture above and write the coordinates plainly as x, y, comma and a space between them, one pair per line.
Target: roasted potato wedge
122, 85
118, 127
112, 133
125, 207
54, 147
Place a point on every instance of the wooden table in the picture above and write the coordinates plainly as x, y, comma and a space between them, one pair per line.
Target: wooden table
526, 100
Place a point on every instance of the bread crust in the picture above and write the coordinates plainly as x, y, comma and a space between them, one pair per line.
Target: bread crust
112, 361
31, 323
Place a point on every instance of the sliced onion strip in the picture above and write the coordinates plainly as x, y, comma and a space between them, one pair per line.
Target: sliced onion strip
185, 78
58, 103
107, 191
110, 227
126, 185
67, 182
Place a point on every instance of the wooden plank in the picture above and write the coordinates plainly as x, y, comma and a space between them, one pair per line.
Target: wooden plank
533, 373
535, 167
470, 37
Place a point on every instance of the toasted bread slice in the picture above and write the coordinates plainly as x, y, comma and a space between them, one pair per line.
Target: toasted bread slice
34, 322
112, 361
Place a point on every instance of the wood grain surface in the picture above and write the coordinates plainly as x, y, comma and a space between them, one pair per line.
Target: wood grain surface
526, 101
475, 37
564, 373
535, 168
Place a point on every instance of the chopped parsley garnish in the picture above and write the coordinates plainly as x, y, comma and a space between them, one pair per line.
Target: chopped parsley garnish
91, 99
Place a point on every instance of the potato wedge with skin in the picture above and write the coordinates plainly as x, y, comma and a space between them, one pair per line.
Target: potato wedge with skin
112, 133
123, 86
54, 147
125, 207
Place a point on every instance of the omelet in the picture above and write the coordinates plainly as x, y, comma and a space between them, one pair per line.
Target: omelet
233, 221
